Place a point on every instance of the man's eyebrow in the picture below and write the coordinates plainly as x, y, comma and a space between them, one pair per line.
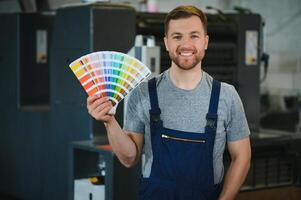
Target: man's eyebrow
176, 33
195, 32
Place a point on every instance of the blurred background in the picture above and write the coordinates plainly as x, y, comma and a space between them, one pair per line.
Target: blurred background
50, 148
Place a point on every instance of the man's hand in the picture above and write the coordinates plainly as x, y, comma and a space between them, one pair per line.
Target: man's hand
98, 107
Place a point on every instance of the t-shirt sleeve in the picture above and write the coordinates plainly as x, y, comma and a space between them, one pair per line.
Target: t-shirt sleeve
237, 127
133, 112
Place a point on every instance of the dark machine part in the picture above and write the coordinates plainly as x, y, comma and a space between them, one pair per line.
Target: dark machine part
33, 38
80, 30
24, 102
285, 120
225, 58
34, 73
275, 161
265, 59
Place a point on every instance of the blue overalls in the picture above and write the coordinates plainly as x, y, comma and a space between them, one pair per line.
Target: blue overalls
182, 166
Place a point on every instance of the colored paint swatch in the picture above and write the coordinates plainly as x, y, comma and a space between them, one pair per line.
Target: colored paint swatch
110, 74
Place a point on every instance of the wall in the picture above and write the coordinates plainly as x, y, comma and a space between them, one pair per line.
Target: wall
162, 5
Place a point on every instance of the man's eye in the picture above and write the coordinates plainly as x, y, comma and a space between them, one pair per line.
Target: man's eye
176, 37
194, 36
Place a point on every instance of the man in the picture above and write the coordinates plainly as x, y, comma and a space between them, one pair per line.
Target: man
181, 121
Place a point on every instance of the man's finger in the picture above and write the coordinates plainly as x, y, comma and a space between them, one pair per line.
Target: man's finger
105, 111
102, 106
92, 98
98, 102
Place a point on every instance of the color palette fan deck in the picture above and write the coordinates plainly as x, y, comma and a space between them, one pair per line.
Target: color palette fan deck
110, 74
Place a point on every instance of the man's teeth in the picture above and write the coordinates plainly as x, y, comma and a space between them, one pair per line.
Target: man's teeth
185, 53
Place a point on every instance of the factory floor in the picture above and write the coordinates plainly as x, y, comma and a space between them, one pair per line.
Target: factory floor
280, 193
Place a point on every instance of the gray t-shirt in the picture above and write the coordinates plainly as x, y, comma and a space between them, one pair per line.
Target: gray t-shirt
186, 110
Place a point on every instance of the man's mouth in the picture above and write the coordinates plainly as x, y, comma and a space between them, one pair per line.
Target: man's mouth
186, 53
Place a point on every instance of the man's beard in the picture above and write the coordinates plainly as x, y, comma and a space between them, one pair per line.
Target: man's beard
186, 64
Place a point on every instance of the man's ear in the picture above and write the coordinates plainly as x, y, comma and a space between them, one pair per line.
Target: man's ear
165, 42
206, 42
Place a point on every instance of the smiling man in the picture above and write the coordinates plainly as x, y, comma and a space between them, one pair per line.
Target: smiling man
186, 42
181, 121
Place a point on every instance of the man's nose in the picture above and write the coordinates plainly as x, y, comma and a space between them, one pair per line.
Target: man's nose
186, 41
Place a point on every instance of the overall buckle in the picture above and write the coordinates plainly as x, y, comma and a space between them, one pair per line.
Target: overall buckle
155, 115
211, 120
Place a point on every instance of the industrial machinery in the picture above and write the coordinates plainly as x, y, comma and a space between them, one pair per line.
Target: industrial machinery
147, 52
25, 102
79, 30
43, 107
298, 124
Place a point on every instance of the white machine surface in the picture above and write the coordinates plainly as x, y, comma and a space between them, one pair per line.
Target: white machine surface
85, 190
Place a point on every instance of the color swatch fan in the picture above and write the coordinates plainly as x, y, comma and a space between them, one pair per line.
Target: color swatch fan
110, 74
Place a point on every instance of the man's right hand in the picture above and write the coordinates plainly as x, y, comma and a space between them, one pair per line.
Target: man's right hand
98, 107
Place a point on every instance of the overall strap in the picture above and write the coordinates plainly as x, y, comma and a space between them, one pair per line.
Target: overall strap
213, 105
155, 110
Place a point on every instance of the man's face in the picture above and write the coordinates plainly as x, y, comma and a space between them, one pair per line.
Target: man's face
186, 42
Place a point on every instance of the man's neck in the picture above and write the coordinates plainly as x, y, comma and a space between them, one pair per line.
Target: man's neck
185, 79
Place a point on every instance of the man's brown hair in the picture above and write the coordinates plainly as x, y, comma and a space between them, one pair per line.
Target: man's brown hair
185, 12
